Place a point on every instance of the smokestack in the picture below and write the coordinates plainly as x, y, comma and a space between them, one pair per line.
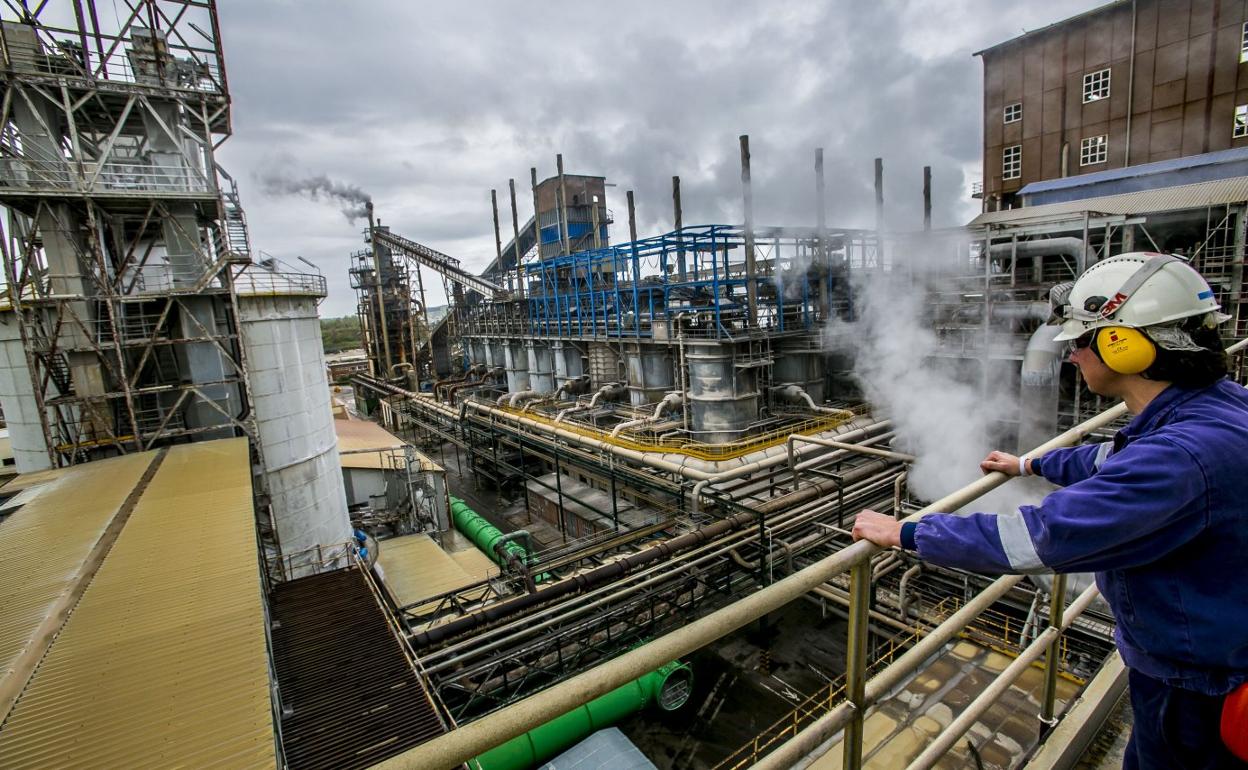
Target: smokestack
821, 236
515, 237
751, 288
498, 240
927, 198
879, 196
676, 212
563, 207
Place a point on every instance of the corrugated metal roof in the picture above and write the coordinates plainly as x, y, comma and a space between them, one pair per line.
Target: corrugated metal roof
46, 544
1143, 169
1190, 196
365, 444
414, 567
163, 662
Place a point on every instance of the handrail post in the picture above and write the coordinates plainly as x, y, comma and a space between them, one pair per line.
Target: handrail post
1052, 656
856, 660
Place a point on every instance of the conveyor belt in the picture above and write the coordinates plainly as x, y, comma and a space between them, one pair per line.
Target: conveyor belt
349, 695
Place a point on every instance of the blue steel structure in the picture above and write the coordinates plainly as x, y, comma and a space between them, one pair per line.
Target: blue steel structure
630, 290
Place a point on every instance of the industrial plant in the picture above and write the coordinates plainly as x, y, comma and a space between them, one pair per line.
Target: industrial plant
599, 511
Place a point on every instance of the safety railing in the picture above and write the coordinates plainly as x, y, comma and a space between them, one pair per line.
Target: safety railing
177, 73
66, 175
466, 742
309, 561
255, 282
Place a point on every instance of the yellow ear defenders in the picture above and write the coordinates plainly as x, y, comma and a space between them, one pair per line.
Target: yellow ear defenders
1125, 350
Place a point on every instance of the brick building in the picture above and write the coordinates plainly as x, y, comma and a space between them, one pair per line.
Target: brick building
1127, 83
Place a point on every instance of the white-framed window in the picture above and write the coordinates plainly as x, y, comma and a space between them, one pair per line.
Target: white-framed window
1096, 85
1243, 44
1093, 150
1013, 112
1241, 121
1012, 162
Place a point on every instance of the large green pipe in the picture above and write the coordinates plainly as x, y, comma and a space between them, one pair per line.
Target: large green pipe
668, 686
482, 533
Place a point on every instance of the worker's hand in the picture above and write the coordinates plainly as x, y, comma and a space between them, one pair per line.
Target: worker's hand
1000, 461
879, 528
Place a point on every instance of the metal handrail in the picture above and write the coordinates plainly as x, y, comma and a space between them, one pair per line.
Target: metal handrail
470, 740
259, 282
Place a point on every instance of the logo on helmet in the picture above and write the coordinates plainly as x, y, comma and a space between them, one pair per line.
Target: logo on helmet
1109, 307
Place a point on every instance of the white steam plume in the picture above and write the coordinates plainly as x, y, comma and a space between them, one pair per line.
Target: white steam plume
936, 406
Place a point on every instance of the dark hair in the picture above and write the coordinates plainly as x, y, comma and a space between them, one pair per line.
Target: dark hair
1192, 368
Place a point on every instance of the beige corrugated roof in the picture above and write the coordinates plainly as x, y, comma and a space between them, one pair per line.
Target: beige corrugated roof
1189, 196
414, 567
365, 444
46, 544
33, 479
163, 662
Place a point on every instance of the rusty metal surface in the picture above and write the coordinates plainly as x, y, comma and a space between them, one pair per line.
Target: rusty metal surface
163, 661
47, 542
349, 695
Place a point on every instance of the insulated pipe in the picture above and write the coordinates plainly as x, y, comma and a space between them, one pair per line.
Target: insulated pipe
670, 401
523, 397
804, 743
982, 702
573, 387
467, 741
1071, 247
610, 391
795, 394
903, 599
1038, 386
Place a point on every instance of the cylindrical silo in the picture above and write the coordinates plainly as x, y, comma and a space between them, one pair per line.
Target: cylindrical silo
569, 364
797, 362
541, 367
722, 398
282, 339
517, 365
17, 396
650, 375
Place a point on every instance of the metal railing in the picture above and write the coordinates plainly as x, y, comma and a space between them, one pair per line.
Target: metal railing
472, 739
66, 175
265, 283
309, 561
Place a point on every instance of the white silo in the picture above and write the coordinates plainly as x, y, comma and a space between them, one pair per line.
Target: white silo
17, 397
286, 363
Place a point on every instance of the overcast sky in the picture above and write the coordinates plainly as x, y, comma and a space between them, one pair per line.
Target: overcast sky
426, 106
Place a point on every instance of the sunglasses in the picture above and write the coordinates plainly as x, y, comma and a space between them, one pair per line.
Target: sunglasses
1079, 343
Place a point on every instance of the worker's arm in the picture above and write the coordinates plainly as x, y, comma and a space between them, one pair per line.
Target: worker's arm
1139, 506
1070, 465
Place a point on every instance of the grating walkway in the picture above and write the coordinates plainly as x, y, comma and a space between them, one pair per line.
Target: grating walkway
349, 695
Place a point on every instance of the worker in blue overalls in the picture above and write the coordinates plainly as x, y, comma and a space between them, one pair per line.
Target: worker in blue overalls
1160, 513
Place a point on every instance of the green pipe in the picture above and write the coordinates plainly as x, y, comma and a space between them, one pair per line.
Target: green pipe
669, 687
482, 533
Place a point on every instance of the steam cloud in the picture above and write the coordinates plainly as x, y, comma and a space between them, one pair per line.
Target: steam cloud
351, 198
937, 409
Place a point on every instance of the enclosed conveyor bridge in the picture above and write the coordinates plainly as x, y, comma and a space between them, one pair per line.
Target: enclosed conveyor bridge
436, 260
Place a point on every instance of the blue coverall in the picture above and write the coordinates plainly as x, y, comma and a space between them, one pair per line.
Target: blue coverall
1161, 515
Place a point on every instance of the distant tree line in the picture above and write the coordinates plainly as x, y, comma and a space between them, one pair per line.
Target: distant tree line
339, 334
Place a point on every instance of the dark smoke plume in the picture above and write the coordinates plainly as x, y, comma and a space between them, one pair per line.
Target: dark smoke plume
352, 199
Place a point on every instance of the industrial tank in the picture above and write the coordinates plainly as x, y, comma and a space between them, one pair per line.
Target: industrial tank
798, 363
569, 364
541, 367
282, 339
517, 365
722, 397
17, 396
477, 353
650, 375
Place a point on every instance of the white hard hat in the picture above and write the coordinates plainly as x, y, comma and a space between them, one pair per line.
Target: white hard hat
1136, 290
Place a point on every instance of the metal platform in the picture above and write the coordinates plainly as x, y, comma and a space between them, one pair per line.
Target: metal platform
350, 696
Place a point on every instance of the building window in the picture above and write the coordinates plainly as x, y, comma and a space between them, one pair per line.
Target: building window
1095, 86
1093, 150
1013, 112
1243, 44
1241, 121
1012, 162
